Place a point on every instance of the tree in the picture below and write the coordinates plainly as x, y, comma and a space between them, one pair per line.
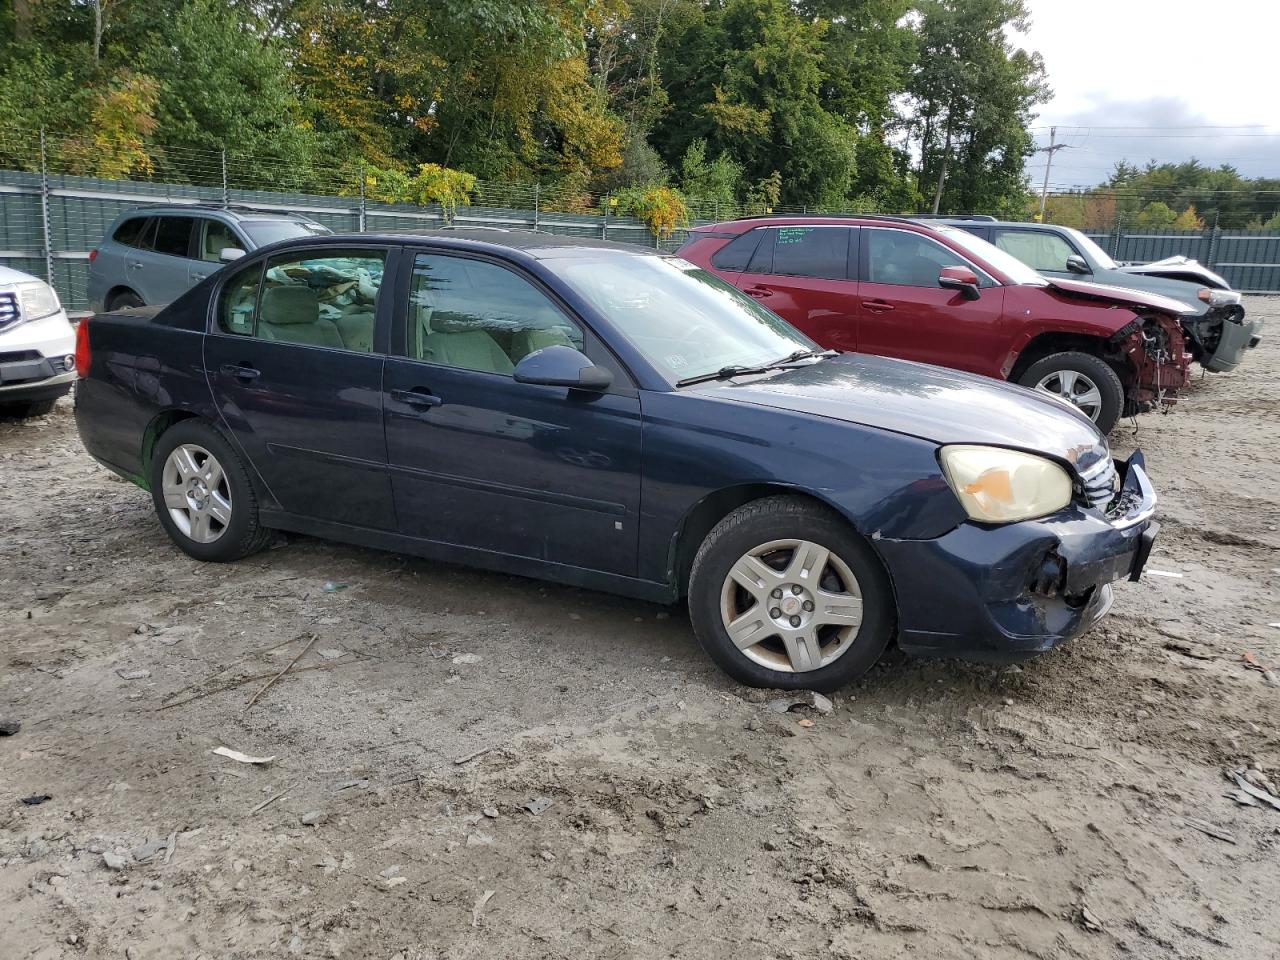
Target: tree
1188, 220
1156, 214
972, 94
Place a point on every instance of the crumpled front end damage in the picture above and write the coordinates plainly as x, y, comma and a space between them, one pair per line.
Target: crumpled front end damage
1155, 349
1002, 593
1220, 339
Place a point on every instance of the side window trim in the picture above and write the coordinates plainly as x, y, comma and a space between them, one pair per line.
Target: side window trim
764, 253
864, 261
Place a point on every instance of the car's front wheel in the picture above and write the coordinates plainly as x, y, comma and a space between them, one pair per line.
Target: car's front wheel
203, 495
1086, 382
784, 593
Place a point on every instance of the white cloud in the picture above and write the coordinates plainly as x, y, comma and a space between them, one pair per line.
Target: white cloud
1150, 66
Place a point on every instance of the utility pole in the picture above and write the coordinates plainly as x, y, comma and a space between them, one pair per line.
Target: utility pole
1050, 150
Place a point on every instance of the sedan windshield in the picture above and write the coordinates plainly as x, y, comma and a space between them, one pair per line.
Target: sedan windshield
1100, 256
262, 232
687, 322
1006, 263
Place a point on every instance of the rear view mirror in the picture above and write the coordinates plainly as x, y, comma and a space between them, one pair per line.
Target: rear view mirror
961, 279
227, 254
1077, 264
561, 366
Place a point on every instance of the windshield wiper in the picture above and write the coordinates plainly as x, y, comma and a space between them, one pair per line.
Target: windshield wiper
724, 373
737, 370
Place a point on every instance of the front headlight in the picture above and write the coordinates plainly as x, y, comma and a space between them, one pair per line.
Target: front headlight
1219, 298
38, 300
1002, 486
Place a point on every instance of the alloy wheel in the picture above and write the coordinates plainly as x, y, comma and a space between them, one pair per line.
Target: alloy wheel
197, 493
1076, 388
791, 606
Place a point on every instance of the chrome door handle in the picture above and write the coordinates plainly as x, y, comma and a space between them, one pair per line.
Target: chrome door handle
241, 371
416, 398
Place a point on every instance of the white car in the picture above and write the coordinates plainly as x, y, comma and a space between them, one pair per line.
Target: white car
37, 346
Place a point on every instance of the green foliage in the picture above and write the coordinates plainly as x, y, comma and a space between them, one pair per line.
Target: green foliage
661, 208
432, 184
1156, 214
715, 180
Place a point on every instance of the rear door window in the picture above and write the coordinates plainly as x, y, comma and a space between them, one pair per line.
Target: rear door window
173, 236
818, 252
132, 232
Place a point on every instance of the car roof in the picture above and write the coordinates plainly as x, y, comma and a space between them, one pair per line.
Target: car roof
993, 222
237, 212
744, 224
539, 246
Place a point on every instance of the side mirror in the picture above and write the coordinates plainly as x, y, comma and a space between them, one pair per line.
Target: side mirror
962, 279
1077, 264
561, 366
227, 254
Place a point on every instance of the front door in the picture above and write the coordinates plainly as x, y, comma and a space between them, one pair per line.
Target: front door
803, 274
295, 367
903, 312
212, 237
482, 461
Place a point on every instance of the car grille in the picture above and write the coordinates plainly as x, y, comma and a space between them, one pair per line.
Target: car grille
9, 312
1101, 483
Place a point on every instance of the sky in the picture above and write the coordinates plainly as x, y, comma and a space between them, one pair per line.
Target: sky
1157, 79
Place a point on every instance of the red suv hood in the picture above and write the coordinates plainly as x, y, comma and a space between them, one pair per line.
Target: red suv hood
1119, 295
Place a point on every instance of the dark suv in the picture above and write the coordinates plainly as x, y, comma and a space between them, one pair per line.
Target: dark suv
153, 255
937, 294
1218, 335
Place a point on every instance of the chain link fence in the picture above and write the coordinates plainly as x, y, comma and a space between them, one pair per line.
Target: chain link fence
54, 214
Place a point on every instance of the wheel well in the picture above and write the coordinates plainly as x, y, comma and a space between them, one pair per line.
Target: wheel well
115, 292
1047, 344
151, 436
709, 511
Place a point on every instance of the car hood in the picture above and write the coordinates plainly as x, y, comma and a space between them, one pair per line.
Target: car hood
9, 276
1184, 265
933, 403
1127, 297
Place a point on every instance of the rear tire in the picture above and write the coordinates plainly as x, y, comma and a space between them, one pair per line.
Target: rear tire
1085, 381
804, 595
124, 300
203, 496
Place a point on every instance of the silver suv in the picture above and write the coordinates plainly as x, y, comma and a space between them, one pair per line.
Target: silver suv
152, 255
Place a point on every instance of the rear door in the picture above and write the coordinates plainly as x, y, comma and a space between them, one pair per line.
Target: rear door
903, 312
803, 274
294, 359
160, 268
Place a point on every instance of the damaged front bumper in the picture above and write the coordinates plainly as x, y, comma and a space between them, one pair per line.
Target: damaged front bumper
1009, 592
1237, 336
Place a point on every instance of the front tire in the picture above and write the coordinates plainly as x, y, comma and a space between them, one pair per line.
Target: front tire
1086, 382
785, 594
203, 495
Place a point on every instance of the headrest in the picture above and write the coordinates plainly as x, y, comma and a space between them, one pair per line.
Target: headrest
290, 304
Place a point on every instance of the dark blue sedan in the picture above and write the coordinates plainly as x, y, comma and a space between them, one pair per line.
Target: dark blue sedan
618, 419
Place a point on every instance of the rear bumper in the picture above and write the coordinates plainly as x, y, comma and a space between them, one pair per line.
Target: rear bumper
1007, 593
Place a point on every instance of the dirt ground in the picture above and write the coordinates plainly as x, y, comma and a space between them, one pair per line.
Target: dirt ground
943, 810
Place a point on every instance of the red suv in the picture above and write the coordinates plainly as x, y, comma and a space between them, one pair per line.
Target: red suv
933, 293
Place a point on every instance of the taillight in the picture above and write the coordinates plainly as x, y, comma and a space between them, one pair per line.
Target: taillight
82, 348
93, 255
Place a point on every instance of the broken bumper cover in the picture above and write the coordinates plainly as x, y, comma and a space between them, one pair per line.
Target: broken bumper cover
1239, 335
1009, 592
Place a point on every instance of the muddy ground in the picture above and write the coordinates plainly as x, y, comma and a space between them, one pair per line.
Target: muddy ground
943, 810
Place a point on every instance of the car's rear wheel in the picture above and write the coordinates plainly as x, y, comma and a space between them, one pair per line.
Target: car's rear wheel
124, 300
1086, 382
784, 593
203, 495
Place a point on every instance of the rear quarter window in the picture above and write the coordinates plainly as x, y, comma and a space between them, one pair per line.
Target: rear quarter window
734, 256
132, 231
